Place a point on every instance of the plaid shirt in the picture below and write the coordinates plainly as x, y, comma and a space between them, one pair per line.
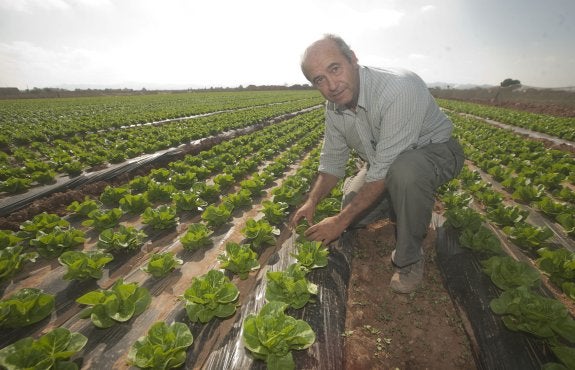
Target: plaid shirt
395, 112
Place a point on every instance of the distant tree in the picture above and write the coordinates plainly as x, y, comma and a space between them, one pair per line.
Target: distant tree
510, 82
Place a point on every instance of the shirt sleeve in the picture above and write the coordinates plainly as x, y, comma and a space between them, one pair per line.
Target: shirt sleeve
400, 125
334, 152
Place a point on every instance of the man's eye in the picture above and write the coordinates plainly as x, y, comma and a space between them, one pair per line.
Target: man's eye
319, 80
335, 70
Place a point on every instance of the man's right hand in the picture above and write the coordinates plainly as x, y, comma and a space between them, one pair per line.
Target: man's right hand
306, 211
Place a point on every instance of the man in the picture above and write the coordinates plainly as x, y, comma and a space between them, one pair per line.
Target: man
389, 118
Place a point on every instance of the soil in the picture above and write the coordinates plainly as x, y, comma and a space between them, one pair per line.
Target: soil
385, 330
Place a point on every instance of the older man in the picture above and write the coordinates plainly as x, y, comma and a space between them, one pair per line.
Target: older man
389, 118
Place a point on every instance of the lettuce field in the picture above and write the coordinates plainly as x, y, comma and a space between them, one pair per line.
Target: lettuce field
150, 231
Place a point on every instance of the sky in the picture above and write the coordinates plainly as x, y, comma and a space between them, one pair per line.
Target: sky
226, 43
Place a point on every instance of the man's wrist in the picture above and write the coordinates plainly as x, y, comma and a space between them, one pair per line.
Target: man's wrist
343, 220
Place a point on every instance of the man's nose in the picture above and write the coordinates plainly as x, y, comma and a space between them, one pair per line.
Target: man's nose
331, 84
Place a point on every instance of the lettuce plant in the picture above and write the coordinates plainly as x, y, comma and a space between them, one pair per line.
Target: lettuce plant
275, 212
188, 201
242, 198
507, 215
507, 273
158, 192
58, 240
239, 259
118, 304
311, 255
183, 181
51, 351
73, 168
211, 193
292, 191
8, 239
15, 185
45, 222
326, 208
161, 218
210, 295
568, 288
255, 185
139, 184
25, 307
83, 208
160, 174
456, 199
528, 236
104, 219
271, 336
481, 240
490, 198
463, 218
559, 264
550, 207
528, 193
260, 232
84, 265
290, 286
224, 180
565, 354
197, 236
12, 259
525, 311
161, 264
134, 203
164, 347
111, 195
567, 221
217, 215
124, 238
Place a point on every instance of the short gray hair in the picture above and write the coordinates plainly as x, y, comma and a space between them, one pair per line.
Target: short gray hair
342, 45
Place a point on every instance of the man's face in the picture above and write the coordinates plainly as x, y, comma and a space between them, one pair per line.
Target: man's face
332, 73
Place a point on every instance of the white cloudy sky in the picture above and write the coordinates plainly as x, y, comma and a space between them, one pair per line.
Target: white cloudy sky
152, 43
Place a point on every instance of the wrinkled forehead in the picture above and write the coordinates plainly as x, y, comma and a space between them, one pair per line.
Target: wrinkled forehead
320, 47
319, 55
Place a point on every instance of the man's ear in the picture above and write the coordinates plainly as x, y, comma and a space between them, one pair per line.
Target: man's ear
354, 60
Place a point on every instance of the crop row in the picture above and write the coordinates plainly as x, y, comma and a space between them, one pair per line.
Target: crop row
561, 127
523, 196
41, 162
522, 304
39, 120
518, 179
532, 173
285, 197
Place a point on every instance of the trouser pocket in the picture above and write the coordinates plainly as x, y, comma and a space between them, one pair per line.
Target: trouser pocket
447, 159
458, 155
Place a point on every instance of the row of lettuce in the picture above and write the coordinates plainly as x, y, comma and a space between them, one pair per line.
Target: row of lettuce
270, 335
26, 121
58, 145
499, 200
532, 174
561, 127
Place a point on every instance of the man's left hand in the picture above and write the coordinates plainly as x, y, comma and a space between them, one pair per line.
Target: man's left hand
326, 231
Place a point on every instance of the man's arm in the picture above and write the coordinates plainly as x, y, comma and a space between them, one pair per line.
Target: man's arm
367, 195
323, 185
331, 228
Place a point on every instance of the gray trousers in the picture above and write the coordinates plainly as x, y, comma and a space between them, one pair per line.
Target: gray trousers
409, 195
